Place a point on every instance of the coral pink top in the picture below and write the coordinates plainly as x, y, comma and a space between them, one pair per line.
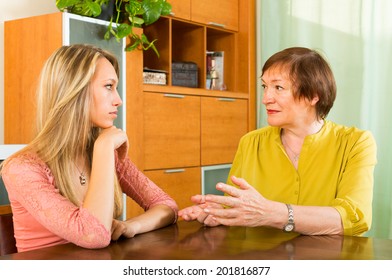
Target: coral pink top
43, 217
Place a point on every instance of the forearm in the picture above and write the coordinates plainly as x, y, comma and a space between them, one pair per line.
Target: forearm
99, 198
312, 220
154, 218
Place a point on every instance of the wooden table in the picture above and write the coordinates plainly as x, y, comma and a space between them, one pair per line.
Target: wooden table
192, 241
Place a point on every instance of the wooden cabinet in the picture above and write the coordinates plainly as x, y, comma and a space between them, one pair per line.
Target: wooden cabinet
171, 130
221, 13
182, 41
180, 184
181, 9
225, 115
188, 41
184, 130
218, 13
223, 122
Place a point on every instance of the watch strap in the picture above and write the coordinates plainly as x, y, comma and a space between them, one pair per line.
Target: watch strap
290, 223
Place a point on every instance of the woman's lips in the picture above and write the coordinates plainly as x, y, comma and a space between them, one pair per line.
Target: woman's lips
271, 112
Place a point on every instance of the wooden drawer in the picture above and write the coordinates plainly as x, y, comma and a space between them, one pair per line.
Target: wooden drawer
221, 13
171, 131
223, 122
181, 8
179, 183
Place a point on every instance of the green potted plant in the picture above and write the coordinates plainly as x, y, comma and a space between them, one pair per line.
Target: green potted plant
127, 14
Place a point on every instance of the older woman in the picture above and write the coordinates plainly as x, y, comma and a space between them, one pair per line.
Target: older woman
301, 173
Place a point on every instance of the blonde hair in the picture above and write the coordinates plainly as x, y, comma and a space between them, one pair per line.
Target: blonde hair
65, 131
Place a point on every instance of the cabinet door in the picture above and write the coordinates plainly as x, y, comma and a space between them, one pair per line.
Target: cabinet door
24, 56
180, 184
181, 9
223, 13
223, 122
171, 131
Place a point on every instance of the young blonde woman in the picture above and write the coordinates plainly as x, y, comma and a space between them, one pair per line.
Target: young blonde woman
67, 184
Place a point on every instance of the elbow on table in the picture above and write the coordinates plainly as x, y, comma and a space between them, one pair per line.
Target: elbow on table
94, 241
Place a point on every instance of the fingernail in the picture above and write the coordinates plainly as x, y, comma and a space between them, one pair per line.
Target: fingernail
206, 210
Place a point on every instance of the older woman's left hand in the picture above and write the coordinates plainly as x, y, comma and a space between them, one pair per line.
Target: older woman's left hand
245, 205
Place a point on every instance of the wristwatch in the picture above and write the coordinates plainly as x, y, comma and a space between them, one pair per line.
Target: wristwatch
290, 224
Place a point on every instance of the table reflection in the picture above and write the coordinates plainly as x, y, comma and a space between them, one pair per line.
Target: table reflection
191, 240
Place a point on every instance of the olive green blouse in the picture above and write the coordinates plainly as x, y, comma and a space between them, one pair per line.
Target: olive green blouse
335, 168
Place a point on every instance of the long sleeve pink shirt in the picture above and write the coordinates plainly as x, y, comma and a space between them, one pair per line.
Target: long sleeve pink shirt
43, 217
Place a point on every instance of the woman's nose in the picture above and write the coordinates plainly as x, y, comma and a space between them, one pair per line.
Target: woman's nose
267, 97
117, 100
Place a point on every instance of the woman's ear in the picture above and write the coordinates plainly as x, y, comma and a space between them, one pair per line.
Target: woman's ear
314, 100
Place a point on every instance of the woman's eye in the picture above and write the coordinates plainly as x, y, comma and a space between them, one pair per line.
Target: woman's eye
279, 87
109, 86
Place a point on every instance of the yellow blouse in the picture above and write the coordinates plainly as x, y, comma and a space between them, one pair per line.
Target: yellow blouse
335, 169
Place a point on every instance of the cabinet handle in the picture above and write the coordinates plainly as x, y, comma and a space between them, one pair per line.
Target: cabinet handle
217, 24
173, 95
226, 99
175, 170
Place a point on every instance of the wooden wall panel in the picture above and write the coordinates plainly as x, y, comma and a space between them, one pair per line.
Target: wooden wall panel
27, 44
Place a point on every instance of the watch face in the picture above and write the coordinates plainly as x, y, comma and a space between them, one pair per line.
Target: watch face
289, 227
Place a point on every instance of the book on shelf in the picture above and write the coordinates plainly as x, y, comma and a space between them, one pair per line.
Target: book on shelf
215, 73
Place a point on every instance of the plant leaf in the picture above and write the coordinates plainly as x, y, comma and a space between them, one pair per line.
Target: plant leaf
152, 11
136, 20
166, 8
147, 44
134, 8
124, 30
94, 8
62, 4
109, 30
136, 43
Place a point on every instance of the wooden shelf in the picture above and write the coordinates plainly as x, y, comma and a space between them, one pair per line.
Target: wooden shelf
185, 41
195, 91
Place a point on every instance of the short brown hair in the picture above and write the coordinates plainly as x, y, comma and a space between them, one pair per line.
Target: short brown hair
310, 75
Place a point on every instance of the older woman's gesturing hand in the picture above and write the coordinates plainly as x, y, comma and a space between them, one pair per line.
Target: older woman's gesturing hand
244, 206
196, 212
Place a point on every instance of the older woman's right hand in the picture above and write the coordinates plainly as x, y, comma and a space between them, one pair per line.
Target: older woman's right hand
196, 212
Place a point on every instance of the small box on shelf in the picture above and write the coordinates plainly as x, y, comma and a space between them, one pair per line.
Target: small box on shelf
154, 77
184, 74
